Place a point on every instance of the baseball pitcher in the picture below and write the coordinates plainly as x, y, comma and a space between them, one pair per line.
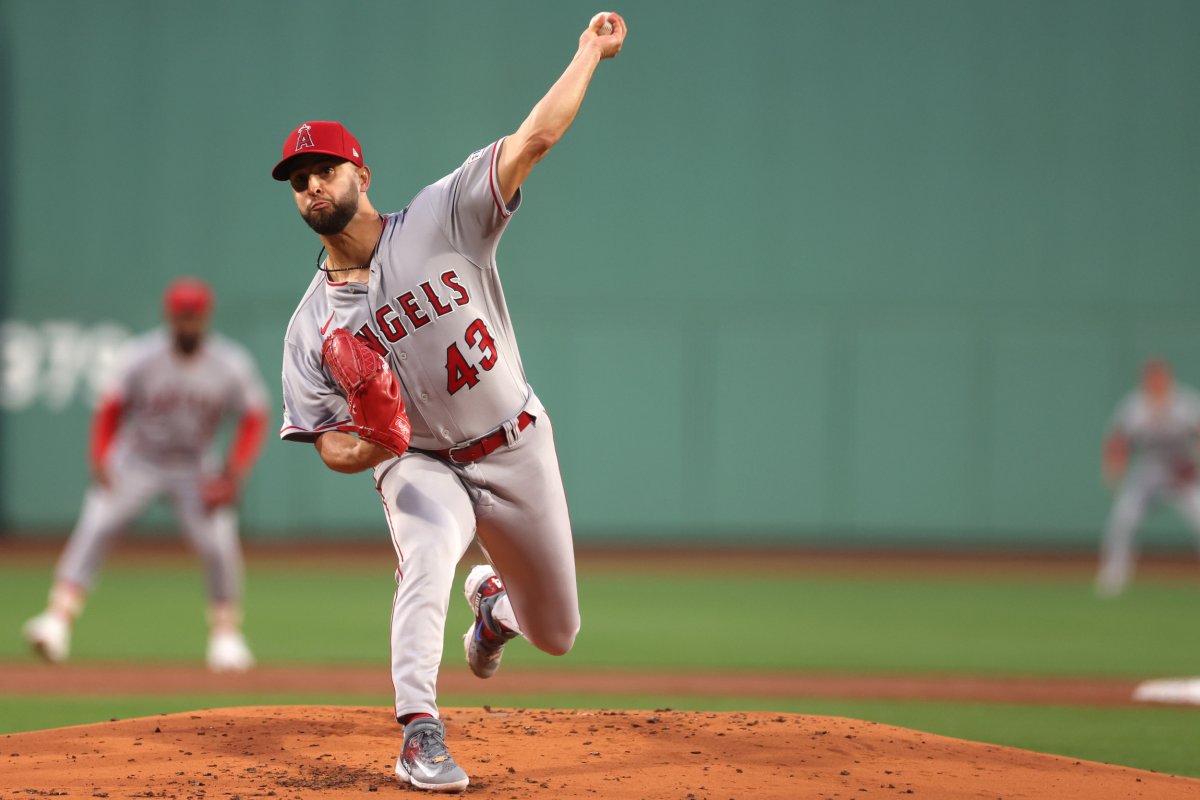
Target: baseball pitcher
401, 358
1149, 455
151, 437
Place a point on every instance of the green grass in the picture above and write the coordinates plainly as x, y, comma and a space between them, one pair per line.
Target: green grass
638, 620
1159, 739
40, 712
980, 626
338, 613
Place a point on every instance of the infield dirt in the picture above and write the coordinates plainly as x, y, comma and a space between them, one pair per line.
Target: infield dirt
166, 679
308, 751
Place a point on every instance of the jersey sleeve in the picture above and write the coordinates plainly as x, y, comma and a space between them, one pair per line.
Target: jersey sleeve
1122, 421
470, 207
119, 385
1189, 402
249, 402
249, 391
312, 403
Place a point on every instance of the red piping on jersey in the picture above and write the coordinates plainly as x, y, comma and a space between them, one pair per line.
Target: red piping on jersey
247, 442
387, 513
105, 423
392, 647
322, 429
492, 181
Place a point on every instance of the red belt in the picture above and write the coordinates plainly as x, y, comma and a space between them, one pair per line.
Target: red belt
473, 451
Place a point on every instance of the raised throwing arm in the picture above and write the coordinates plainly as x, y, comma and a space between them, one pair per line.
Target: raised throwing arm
555, 112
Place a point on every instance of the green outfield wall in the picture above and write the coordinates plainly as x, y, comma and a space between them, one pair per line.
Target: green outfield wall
816, 271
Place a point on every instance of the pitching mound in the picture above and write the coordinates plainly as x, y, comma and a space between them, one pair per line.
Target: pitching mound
305, 751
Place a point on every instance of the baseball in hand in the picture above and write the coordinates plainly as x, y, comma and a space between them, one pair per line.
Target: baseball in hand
606, 28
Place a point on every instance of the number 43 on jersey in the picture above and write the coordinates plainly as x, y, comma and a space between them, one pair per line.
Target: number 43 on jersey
459, 371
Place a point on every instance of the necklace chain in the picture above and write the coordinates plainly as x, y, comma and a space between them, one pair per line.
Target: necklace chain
339, 269
327, 270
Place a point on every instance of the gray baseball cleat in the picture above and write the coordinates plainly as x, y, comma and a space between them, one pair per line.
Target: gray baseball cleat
425, 762
484, 641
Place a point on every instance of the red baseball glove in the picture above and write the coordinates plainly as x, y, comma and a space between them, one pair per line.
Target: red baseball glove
372, 391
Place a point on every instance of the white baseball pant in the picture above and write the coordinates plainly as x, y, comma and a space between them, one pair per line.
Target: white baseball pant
1143, 484
514, 500
134, 484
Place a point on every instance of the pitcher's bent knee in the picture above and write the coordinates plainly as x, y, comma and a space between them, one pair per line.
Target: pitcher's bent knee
557, 640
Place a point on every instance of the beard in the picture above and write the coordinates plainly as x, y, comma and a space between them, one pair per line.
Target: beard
187, 343
335, 218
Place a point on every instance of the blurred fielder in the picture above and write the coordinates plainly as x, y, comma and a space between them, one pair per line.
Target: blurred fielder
151, 437
403, 337
1149, 455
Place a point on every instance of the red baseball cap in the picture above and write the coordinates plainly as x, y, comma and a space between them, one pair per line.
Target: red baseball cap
187, 295
325, 138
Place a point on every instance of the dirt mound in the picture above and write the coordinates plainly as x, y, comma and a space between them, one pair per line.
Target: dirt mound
303, 751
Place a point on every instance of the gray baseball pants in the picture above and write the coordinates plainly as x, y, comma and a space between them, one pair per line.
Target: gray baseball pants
1145, 483
513, 499
134, 484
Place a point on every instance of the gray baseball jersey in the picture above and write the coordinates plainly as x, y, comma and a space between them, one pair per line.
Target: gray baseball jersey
173, 406
433, 309
1168, 433
1163, 443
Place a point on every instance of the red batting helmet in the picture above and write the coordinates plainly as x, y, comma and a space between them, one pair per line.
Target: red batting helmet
188, 295
325, 138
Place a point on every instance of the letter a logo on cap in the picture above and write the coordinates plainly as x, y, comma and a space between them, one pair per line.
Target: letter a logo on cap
304, 137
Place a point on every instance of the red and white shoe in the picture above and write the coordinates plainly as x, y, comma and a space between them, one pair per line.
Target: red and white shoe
485, 639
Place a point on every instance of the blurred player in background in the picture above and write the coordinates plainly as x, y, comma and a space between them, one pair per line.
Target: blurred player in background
151, 436
1150, 454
